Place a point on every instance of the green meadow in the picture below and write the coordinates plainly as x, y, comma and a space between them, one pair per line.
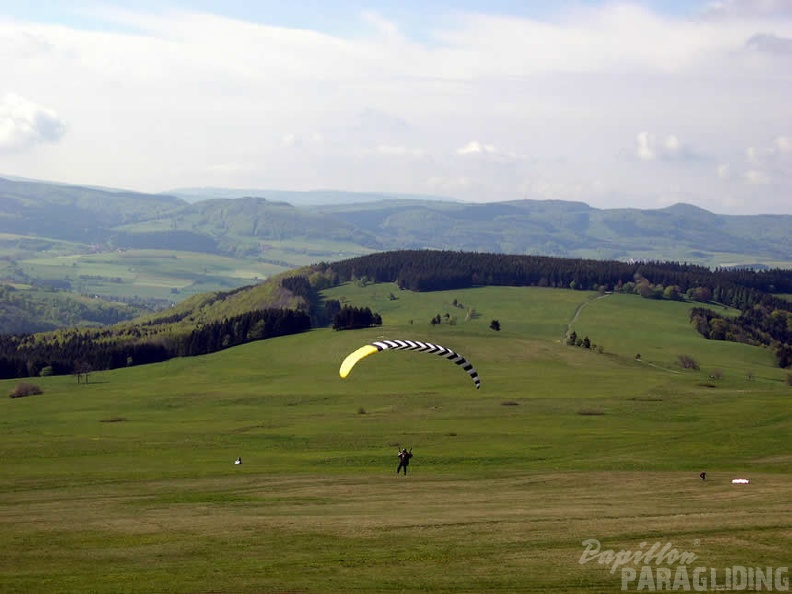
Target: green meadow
127, 483
149, 274
158, 273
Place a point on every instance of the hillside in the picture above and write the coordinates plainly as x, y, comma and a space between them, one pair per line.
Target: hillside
243, 226
128, 482
156, 250
573, 229
25, 309
296, 301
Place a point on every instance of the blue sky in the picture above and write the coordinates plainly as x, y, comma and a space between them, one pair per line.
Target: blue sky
624, 103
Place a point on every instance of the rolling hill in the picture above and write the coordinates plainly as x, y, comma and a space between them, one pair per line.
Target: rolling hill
127, 482
153, 250
294, 302
240, 225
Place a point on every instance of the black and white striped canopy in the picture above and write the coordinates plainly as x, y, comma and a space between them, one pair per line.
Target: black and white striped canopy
409, 345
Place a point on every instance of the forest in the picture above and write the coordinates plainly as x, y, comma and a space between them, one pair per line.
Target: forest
765, 319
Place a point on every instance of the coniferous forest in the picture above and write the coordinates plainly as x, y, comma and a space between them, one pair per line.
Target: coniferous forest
297, 305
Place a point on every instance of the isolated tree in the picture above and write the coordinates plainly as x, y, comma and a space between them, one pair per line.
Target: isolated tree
495, 325
82, 369
688, 362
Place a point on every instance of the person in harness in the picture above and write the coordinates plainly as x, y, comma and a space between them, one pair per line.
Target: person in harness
404, 460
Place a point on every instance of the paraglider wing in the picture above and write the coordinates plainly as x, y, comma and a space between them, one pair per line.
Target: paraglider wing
353, 358
409, 345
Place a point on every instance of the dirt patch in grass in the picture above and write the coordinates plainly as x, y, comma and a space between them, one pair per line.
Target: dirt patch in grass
591, 412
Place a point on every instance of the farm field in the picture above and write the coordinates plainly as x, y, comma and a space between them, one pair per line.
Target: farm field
148, 274
127, 483
155, 274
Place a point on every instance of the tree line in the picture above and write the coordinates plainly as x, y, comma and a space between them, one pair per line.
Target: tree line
434, 270
761, 324
765, 318
77, 351
188, 330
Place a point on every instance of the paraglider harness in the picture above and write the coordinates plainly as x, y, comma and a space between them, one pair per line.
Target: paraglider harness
404, 460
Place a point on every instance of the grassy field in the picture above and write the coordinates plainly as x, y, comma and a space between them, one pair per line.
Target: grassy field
157, 274
127, 484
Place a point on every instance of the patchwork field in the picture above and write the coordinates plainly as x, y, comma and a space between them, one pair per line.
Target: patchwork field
127, 483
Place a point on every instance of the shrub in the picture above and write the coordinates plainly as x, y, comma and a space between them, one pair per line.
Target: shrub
688, 362
25, 389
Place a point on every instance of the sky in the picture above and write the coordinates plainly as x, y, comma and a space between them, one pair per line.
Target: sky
638, 104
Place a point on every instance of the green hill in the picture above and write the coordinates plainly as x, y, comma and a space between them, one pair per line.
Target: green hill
127, 483
292, 302
158, 248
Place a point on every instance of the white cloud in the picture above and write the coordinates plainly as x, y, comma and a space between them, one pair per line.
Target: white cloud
649, 148
480, 106
758, 155
724, 171
748, 9
24, 124
769, 163
756, 177
671, 145
645, 146
474, 147
773, 44
291, 140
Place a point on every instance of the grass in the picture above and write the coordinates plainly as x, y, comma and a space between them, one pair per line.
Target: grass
149, 273
127, 484
159, 274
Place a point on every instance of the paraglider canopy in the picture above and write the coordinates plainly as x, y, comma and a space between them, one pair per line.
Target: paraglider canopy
408, 345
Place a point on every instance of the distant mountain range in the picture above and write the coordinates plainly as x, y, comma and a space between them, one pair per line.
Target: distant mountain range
299, 198
240, 222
